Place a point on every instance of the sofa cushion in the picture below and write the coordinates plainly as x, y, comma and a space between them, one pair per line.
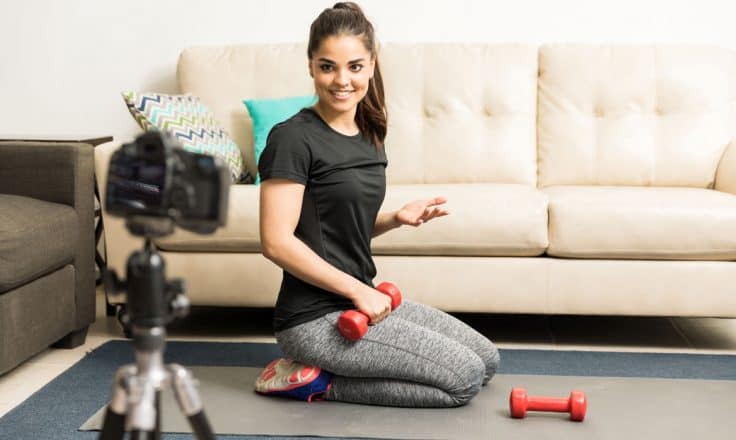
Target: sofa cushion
240, 233
634, 115
641, 222
36, 237
484, 220
190, 121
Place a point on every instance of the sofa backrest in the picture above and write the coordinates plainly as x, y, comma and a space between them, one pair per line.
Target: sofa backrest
223, 76
658, 115
457, 112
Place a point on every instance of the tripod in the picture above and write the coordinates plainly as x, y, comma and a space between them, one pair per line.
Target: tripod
152, 303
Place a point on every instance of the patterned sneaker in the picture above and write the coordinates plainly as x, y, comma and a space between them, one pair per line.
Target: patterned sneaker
286, 377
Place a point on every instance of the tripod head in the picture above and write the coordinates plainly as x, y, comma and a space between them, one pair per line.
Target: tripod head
152, 300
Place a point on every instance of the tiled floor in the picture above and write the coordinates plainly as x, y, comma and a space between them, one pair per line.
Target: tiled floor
703, 335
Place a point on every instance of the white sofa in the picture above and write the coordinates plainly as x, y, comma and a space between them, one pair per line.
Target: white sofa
581, 179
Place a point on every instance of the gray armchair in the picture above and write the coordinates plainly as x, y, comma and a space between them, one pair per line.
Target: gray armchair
47, 271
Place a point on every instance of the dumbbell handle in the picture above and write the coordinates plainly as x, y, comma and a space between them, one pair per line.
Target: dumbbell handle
353, 324
556, 404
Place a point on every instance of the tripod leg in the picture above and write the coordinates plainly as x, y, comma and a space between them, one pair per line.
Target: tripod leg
185, 391
113, 427
201, 426
141, 407
157, 429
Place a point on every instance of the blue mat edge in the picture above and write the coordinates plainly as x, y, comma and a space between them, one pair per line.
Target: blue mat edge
41, 416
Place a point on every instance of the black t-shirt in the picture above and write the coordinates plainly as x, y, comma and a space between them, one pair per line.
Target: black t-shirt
345, 183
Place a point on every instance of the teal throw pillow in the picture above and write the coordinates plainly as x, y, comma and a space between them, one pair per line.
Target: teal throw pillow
266, 113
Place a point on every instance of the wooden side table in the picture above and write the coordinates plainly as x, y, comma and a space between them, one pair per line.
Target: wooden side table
100, 261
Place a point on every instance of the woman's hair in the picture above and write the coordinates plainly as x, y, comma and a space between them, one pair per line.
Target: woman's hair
346, 18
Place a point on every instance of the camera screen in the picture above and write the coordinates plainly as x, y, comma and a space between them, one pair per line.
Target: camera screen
137, 183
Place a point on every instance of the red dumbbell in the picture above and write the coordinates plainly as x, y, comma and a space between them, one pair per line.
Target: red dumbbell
519, 403
353, 324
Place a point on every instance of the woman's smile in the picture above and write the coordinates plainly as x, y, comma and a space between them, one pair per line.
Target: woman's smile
342, 95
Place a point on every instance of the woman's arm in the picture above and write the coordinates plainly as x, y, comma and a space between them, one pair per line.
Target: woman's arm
414, 213
280, 207
385, 221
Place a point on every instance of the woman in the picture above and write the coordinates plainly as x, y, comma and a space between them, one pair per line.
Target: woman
323, 182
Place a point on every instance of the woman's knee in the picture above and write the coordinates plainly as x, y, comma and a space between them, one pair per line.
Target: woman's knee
492, 361
470, 379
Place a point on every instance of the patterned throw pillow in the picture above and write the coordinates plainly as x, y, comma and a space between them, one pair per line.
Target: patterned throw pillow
190, 121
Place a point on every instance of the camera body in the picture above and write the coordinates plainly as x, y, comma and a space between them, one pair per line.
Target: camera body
154, 178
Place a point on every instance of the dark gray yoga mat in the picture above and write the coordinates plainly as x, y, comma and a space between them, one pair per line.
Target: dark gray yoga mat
618, 407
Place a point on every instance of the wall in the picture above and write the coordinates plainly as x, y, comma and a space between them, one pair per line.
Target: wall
64, 63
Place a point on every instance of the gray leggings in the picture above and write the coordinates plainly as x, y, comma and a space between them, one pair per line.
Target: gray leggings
417, 357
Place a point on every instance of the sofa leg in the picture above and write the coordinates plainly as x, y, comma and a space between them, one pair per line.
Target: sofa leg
73, 339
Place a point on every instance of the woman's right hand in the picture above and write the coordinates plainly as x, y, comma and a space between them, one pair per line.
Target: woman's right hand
374, 304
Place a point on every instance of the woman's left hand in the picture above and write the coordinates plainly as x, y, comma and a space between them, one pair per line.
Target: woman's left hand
421, 211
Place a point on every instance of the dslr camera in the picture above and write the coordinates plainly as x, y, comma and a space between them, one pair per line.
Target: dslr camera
153, 182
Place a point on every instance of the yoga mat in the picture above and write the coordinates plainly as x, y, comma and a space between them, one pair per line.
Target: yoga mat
618, 407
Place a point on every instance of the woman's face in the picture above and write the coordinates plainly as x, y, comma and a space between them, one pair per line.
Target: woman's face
341, 69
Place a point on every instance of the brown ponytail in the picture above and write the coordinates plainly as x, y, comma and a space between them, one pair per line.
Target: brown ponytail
346, 18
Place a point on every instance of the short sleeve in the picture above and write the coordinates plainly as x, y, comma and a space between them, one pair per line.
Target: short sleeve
286, 155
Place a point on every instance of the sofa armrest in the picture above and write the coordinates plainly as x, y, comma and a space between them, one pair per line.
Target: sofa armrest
54, 172
60, 173
103, 153
726, 171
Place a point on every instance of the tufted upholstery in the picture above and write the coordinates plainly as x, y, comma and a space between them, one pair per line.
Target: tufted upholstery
461, 113
469, 120
634, 115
